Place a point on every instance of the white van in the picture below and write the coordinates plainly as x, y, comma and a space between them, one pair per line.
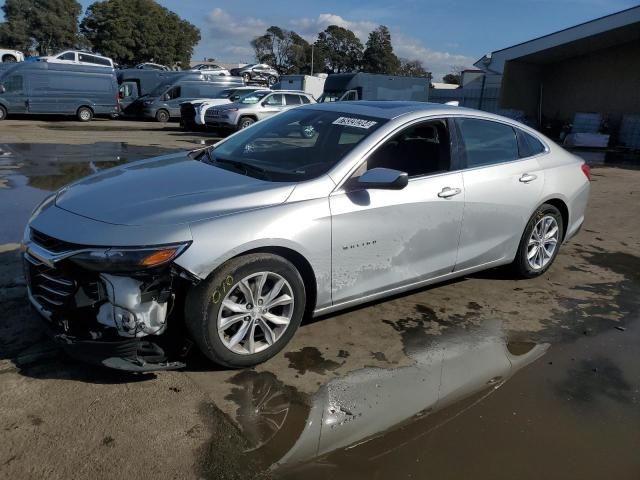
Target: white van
79, 58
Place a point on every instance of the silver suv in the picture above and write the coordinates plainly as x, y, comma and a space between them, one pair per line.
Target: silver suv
253, 107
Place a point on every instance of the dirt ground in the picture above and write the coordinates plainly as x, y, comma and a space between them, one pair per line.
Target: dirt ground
62, 419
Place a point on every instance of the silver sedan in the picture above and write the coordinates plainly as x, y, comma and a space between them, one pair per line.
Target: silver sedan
310, 211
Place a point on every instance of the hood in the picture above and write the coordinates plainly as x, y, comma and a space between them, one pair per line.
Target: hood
168, 190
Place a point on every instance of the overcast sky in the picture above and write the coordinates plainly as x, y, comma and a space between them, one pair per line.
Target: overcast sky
440, 33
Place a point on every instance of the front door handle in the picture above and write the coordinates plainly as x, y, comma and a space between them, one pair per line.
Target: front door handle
528, 177
447, 192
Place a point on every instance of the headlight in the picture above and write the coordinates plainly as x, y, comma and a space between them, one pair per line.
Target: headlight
128, 259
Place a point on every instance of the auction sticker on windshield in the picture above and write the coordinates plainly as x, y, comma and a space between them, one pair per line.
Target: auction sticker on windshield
354, 122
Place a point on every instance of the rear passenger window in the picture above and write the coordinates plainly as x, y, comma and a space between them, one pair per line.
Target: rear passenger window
292, 99
528, 145
487, 142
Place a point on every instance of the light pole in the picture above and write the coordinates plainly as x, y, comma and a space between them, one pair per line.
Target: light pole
312, 45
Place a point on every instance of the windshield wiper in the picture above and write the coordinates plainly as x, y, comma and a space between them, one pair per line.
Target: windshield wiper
247, 168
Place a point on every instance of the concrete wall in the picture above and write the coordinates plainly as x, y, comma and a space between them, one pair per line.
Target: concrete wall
607, 81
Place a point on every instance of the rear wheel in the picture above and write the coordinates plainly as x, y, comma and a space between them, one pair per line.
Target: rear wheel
271, 80
9, 59
540, 242
84, 114
245, 122
247, 310
162, 116
246, 77
3, 113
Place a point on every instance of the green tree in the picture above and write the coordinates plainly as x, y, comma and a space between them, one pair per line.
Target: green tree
412, 68
135, 31
42, 26
339, 50
455, 77
285, 50
378, 56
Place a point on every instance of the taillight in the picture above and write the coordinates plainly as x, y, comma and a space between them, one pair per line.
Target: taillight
586, 169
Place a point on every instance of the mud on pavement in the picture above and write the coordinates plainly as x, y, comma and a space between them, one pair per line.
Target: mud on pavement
482, 377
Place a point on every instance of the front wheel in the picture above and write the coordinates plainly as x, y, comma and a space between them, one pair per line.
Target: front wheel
540, 242
247, 310
162, 116
3, 113
271, 81
245, 122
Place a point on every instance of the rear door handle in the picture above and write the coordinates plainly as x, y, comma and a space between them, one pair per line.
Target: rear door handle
528, 177
448, 192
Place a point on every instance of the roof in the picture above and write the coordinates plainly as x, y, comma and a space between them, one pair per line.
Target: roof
386, 109
617, 28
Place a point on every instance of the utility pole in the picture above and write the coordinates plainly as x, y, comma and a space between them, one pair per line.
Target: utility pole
312, 45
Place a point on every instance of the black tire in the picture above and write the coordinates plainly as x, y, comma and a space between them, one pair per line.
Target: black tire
246, 77
245, 122
84, 114
520, 266
9, 59
204, 301
3, 113
162, 116
271, 80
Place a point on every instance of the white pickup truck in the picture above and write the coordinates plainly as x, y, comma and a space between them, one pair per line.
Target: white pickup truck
11, 56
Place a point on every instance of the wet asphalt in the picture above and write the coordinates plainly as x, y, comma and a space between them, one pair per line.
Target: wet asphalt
485, 377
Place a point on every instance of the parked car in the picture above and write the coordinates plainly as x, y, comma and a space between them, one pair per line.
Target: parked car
211, 68
257, 73
11, 56
253, 107
163, 103
192, 113
152, 66
51, 88
314, 210
73, 57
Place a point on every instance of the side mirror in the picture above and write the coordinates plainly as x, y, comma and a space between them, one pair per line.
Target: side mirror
2, 89
383, 179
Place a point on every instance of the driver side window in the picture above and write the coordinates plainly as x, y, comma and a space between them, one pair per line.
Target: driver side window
421, 149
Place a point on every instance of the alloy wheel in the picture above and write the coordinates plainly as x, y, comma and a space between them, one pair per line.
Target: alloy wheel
255, 313
543, 242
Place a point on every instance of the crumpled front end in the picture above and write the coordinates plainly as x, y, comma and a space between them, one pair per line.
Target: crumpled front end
113, 319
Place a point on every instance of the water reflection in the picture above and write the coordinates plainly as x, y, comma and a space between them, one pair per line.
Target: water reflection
368, 403
29, 171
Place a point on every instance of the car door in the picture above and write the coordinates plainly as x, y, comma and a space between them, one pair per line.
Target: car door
384, 239
501, 191
172, 100
14, 95
271, 105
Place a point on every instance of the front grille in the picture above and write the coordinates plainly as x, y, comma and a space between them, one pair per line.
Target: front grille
49, 286
52, 244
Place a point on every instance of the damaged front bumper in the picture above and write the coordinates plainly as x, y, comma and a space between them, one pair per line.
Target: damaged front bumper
117, 321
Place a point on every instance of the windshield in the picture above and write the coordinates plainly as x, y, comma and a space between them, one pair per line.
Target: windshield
254, 97
295, 145
159, 90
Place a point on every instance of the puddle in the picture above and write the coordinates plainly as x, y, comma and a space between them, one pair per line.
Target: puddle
30, 172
